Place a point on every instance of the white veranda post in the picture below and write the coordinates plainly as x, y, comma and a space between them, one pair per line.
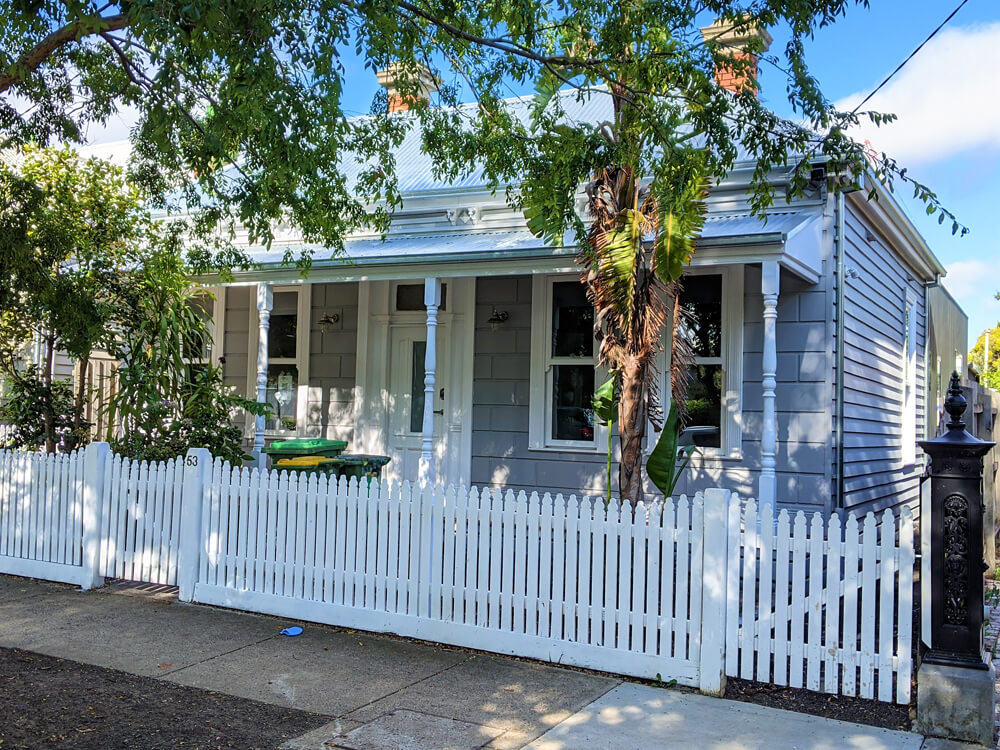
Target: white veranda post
265, 300
432, 300
769, 286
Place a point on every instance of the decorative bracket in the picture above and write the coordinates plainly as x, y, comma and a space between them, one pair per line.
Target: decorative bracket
463, 215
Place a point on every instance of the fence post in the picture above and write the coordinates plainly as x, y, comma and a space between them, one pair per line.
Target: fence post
713, 597
197, 464
95, 458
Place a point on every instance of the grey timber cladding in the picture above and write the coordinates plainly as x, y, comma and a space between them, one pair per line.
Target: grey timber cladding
332, 361
875, 476
802, 400
500, 454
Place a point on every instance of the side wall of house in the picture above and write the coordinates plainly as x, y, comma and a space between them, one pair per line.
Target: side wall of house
875, 295
236, 338
500, 453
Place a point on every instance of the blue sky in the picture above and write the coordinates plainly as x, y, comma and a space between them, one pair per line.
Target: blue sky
948, 134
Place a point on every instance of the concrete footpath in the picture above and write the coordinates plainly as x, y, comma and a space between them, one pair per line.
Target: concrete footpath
384, 692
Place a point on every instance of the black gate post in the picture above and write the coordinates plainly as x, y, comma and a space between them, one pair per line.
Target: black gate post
955, 682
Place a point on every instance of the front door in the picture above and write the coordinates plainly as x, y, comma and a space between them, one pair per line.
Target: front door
407, 347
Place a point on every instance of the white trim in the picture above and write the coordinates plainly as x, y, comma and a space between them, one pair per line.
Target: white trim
463, 336
539, 385
218, 321
376, 303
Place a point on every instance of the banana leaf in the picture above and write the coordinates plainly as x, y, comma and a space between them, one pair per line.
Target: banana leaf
667, 461
605, 404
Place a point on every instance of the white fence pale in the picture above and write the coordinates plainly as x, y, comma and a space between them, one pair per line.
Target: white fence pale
690, 590
828, 608
564, 580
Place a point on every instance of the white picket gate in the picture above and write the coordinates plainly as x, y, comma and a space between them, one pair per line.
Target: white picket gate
691, 590
141, 520
829, 609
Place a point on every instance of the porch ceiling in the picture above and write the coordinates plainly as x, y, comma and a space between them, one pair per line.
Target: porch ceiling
792, 238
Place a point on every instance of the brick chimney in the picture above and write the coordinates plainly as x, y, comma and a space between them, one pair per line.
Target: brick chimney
733, 43
427, 83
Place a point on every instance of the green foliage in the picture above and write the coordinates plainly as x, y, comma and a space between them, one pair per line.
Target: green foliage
669, 459
988, 365
72, 231
163, 405
157, 429
247, 97
26, 402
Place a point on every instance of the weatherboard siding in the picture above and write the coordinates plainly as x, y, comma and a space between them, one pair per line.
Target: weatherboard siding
875, 476
500, 453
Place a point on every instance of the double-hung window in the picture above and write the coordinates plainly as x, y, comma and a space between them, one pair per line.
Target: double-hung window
713, 304
563, 378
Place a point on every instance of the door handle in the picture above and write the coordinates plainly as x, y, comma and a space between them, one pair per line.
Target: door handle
441, 394
439, 411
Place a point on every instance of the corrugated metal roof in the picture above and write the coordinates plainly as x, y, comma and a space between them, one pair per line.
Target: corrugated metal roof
415, 169
459, 244
412, 247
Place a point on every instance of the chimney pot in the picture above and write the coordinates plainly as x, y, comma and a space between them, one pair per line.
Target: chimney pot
733, 43
426, 83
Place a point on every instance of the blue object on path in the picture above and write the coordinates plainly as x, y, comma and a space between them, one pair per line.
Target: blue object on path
293, 630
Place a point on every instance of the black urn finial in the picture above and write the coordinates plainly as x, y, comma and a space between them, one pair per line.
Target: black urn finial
955, 404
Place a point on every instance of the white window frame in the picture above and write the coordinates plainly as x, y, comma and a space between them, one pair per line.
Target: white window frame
908, 402
731, 425
303, 334
540, 378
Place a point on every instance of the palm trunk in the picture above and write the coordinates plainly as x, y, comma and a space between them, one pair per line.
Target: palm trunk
632, 430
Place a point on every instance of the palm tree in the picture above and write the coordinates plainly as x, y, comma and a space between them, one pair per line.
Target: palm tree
641, 238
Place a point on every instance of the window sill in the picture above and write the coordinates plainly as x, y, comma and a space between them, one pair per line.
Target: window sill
584, 449
714, 458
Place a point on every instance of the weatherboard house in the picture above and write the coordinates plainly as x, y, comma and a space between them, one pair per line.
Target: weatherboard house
462, 346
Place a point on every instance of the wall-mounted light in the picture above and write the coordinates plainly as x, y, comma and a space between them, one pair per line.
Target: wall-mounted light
328, 319
498, 318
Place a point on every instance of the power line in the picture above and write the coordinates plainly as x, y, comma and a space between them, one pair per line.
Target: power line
909, 57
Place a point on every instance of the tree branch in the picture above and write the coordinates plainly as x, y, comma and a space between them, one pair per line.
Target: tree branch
31, 60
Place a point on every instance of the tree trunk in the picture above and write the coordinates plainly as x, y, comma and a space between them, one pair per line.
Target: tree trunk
632, 429
48, 416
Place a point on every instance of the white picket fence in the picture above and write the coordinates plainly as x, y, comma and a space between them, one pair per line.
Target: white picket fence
42, 524
830, 609
686, 589
567, 581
